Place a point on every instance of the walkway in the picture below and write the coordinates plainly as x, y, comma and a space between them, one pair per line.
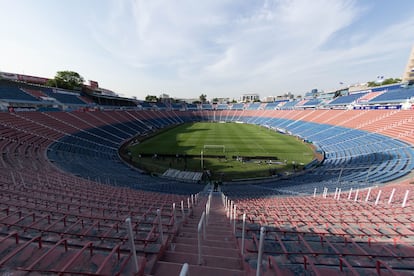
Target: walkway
220, 254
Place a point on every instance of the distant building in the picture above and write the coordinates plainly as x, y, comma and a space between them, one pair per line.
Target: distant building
247, 98
164, 96
409, 69
222, 100
312, 94
327, 95
358, 87
268, 99
189, 100
286, 96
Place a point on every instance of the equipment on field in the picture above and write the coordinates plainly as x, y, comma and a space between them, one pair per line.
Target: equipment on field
221, 148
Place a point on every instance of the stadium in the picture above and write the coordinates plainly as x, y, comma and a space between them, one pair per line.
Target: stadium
73, 201
71, 205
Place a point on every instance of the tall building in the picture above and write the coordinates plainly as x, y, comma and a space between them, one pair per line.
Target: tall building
409, 69
247, 98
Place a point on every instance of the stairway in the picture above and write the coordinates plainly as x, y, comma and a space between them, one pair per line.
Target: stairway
220, 254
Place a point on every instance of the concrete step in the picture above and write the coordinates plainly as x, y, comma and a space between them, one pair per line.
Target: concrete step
220, 254
207, 250
213, 243
209, 236
213, 217
171, 268
221, 225
214, 231
211, 223
208, 260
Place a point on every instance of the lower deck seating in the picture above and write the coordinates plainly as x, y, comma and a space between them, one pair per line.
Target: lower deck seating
65, 196
363, 232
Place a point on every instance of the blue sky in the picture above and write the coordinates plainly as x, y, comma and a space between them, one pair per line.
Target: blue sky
222, 48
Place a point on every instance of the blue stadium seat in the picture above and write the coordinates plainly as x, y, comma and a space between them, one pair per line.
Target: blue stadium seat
289, 105
237, 106
397, 95
253, 106
10, 91
345, 100
64, 97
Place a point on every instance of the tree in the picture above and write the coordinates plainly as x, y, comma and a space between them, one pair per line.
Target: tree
391, 81
203, 98
67, 80
372, 84
215, 100
151, 98
384, 82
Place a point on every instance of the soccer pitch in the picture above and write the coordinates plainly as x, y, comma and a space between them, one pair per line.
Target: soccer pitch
219, 145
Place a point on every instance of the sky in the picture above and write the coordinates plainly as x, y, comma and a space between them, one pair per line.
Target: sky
221, 48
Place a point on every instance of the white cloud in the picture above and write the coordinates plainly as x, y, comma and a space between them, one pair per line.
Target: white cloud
158, 33
282, 38
267, 46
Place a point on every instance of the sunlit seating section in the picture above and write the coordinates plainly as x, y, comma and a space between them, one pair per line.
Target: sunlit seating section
222, 106
369, 96
206, 107
345, 100
311, 103
65, 194
289, 105
253, 106
361, 232
237, 106
395, 95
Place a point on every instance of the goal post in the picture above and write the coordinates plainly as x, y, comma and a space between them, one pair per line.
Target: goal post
216, 148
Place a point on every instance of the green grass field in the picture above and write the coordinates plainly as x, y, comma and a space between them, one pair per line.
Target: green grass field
239, 140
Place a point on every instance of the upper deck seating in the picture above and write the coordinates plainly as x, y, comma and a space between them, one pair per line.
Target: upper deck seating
344, 100
398, 95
